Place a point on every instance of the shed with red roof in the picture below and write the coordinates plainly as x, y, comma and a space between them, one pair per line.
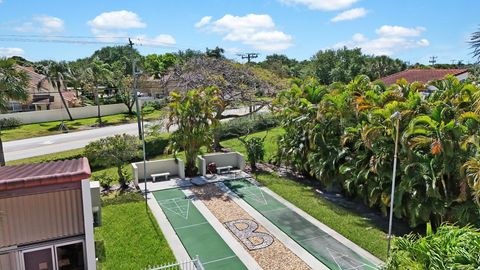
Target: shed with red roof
46, 216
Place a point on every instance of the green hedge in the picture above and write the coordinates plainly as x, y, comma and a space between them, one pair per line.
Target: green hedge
155, 146
245, 125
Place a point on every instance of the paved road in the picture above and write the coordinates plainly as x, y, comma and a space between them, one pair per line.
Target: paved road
62, 142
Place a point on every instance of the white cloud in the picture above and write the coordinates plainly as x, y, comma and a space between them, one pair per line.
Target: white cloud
110, 25
255, 30
9, 52
233, 50
390, 40
399, 31
326, 5
203, 21
121, 19
42, 24
350, 14
160, 40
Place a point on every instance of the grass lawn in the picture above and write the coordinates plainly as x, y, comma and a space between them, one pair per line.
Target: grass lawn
131, 238
51, 128
270, 142
349, 224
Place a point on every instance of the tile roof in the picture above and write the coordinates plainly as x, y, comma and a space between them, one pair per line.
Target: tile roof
69, 96
43, 174
35, 79
421, 75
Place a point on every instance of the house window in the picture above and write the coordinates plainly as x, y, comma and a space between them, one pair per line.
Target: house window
39, 259
64, 256
70, 257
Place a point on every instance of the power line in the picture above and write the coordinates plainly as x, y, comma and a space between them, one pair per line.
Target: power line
433, 60
87, 40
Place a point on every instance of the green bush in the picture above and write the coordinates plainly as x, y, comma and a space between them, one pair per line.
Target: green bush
155, 146
255, 150
245, 125
451, 247
114, 151
105, 180
8, 123
147, 110
156, 104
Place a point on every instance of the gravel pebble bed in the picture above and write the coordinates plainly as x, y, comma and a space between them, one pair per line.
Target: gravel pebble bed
274, 256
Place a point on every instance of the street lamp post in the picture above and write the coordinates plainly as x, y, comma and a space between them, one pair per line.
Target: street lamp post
398, 117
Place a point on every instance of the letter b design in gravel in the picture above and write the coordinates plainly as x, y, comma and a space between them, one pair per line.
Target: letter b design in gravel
245, 231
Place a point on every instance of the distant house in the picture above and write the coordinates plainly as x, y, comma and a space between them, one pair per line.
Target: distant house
424, 75
42, 95
47, 216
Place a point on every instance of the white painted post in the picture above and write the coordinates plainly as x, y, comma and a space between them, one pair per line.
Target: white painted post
88, 225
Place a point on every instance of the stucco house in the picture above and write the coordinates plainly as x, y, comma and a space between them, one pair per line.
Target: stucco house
47, 216
42, 95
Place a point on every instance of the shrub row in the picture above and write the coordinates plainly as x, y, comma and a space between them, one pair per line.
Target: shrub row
244, 125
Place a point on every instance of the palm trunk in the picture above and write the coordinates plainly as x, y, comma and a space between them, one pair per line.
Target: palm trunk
65, 104
121, 179
99, 115
2, 155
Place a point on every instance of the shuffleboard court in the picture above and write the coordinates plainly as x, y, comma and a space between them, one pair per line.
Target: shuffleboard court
196, 234
320, 244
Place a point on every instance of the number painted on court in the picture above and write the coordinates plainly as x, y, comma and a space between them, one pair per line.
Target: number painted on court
245, 231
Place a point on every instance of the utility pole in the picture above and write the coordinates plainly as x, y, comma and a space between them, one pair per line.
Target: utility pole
141, 127
135, 95
248, 56
433, 60
134, 89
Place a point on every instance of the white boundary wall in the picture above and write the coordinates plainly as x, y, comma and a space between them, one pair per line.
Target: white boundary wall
175, 167
61, 114
234, 159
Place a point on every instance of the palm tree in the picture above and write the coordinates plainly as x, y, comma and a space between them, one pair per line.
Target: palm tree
56, 75
13, 86
194, 115
101, 74
475, 43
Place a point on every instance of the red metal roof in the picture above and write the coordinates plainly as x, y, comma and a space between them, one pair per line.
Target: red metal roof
421, 75
43, 174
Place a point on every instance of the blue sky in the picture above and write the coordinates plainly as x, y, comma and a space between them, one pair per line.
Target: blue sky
412, 30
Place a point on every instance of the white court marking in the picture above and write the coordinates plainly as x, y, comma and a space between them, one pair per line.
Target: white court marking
339, 256
193, 225
247, 192
173, 206
222, 259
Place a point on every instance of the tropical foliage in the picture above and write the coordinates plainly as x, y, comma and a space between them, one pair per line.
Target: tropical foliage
55, 73
255, 150
193, 114
450, 247
13, 83
114, 151
342, 135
